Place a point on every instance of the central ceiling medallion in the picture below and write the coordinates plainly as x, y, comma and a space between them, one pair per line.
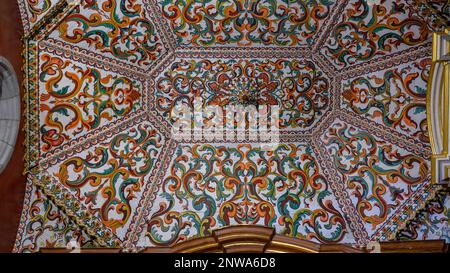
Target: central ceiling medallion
247, 97
243, 87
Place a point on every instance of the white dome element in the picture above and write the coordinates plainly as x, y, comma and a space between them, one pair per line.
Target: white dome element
9, 111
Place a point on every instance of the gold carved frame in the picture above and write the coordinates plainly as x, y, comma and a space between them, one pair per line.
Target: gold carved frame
438, 112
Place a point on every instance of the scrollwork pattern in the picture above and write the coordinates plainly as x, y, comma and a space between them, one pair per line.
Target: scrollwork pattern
297, 86
38, 8
117, 27
48, 226
378, 175
367, 31
109, 178
395, 98
211, 186
79, 99
245, 22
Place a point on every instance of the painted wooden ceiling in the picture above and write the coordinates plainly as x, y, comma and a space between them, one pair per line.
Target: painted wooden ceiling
349, 76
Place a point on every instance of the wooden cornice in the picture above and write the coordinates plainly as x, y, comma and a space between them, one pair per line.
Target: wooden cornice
260, 239
431, 246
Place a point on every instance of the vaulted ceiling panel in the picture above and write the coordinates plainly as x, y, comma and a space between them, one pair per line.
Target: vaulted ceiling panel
103, 77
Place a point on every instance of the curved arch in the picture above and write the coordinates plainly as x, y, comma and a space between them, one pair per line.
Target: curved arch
9, 111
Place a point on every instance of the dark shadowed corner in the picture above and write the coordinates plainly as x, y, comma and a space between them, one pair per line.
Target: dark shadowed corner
12, 182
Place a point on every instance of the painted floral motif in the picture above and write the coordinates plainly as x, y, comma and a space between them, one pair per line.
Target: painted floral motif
435, 12
37, 8
48, 226
211, 186
367, 31
395, 98
378, 175
245, 22
109, 178
119, 28
432, 223
78, 99
297, 86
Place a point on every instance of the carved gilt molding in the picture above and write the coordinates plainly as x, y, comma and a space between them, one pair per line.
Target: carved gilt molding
438, 114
